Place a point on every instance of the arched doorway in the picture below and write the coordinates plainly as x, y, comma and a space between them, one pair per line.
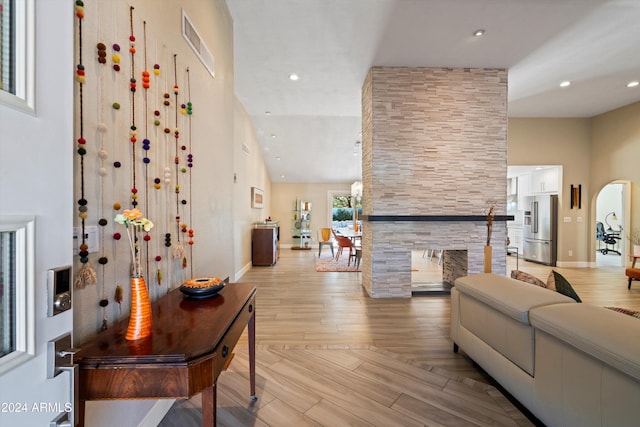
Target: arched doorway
611, 222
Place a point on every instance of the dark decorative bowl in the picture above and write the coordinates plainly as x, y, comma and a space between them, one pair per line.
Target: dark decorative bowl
201, 288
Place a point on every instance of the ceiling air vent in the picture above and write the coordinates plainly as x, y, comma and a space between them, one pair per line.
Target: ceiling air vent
197, 44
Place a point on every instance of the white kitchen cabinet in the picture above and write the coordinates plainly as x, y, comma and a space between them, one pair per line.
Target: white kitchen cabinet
545, 180
515, 238
523, 190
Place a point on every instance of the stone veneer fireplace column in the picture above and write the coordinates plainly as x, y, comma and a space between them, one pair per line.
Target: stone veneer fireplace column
434, 144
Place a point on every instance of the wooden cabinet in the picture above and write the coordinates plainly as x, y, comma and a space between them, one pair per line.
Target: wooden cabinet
264, 245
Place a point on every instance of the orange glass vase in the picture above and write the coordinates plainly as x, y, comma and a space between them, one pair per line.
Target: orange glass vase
140, 321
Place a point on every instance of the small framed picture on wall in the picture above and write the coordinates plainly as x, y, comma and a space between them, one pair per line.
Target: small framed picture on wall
257, 198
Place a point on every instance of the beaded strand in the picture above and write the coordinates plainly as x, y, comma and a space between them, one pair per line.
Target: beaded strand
133, 131
146, 144
117, 293
133, 128
102, 172
189, 112
176, 137
81, 79
178, 250
86, 275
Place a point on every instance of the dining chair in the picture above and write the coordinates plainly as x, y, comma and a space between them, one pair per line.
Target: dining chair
324, 239
343, 242
430, 255
356, 254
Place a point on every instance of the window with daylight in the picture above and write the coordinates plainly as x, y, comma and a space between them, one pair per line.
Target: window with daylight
16, 290
17, 53
342, 210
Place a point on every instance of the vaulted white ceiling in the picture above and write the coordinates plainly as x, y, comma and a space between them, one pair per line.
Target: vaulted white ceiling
308, 128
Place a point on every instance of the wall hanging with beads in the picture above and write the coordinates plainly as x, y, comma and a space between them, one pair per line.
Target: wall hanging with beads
134, 151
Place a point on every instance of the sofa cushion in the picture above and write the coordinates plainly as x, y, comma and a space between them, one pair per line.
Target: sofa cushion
509, 296
563, 286
601, 333
527, 278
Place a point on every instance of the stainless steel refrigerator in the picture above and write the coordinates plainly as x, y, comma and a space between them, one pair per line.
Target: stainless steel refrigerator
540, 231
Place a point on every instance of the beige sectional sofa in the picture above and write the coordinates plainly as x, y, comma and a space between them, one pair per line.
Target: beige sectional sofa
568, 363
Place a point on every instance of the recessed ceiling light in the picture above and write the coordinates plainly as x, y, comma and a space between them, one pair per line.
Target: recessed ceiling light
478, 33
565, 83
278, 158
633, 83
273, 136
282, 176
293, 77
268, 113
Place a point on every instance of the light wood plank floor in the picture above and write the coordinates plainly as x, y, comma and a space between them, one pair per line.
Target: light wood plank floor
330, 355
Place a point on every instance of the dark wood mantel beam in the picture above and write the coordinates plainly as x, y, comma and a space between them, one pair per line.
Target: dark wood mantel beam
430, 218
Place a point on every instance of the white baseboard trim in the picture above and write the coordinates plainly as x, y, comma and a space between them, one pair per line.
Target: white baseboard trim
242, 271
574, 264
157, 413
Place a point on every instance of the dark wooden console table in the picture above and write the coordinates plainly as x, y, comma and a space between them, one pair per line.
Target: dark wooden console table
188, 348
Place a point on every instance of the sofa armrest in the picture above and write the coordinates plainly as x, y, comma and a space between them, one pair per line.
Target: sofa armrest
611, 337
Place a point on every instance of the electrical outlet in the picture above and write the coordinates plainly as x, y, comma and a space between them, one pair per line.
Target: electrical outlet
91, 238
570, 252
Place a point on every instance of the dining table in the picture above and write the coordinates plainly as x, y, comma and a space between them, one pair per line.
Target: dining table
350, 233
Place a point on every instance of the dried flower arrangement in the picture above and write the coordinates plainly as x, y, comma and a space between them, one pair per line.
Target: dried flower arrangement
490, 217
133, 221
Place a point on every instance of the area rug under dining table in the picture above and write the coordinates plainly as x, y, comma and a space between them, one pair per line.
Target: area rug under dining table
326, 263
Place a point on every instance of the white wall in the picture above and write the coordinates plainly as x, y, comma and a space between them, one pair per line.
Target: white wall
563, 142
283, 200
610, 200
593, 152
249, 171
208, 134
615, 149
36, 178
216, 189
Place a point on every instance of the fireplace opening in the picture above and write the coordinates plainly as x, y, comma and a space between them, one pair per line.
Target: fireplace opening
426, 272
433, 271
